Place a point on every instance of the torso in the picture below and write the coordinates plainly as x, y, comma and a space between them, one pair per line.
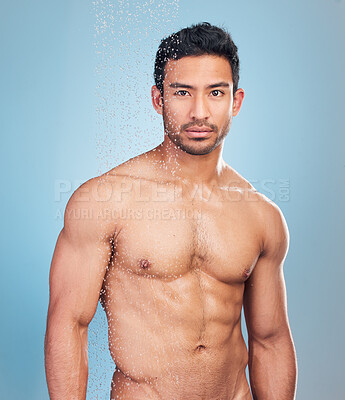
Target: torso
174, 288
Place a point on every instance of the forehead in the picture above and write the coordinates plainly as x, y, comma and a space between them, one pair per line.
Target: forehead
205, 68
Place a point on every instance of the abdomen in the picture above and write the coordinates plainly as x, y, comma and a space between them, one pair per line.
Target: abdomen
181, 336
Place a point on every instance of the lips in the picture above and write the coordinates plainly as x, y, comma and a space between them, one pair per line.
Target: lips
198, 132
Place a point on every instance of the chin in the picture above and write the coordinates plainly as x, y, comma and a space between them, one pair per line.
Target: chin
198, 150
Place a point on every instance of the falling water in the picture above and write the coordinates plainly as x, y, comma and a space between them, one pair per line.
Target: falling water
127, 35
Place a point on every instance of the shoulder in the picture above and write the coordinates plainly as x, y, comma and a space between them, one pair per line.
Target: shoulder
90, 209
266, 215
109, 189
100, 190
275, 233
90, 193
140, 166
268, 210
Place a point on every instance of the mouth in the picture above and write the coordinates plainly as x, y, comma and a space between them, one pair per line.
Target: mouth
199, 132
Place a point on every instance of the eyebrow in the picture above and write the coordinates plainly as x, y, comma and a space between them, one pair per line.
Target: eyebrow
185, 86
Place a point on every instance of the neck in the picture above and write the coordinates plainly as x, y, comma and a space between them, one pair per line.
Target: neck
205, 168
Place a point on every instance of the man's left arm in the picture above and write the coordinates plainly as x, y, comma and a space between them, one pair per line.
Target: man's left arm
272, 358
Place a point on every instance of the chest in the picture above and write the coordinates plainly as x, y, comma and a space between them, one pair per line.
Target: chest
165, 242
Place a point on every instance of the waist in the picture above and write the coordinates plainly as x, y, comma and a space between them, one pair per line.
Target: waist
164, 361
181, 385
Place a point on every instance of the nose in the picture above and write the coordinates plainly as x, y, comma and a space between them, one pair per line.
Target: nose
199, 108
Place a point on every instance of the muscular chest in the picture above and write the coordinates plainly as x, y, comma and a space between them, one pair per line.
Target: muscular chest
166, 241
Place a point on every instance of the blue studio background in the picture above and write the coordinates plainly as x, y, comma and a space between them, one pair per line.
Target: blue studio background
75, 101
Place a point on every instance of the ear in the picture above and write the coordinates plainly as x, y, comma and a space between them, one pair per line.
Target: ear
237, 103
157, 100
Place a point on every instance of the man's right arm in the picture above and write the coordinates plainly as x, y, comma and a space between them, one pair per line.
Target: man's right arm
80, 260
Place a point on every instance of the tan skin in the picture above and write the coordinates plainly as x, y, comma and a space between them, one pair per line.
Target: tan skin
173, 284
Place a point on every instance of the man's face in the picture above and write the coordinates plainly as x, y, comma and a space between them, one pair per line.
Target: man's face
197, 102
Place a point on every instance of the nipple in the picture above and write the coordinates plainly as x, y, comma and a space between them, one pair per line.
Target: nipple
246, 273
144, 264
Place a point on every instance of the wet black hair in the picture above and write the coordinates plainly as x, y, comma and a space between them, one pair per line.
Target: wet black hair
197, 40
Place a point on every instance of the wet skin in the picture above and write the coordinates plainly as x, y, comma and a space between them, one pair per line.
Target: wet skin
174, 242
178, 269
173, 290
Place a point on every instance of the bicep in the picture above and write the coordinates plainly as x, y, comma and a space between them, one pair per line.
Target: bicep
265, 301
265, 304
77, 271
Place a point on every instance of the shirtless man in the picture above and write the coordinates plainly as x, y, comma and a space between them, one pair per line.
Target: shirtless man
174, 242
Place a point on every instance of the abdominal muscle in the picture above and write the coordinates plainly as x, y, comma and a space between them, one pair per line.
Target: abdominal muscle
176, 338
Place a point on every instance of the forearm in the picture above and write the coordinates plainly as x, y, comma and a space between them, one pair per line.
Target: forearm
66, 360
273, 368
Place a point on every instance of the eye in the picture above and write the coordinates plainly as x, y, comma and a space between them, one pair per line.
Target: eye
217, 93
182, 93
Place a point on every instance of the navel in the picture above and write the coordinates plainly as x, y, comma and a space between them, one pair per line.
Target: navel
200, 348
